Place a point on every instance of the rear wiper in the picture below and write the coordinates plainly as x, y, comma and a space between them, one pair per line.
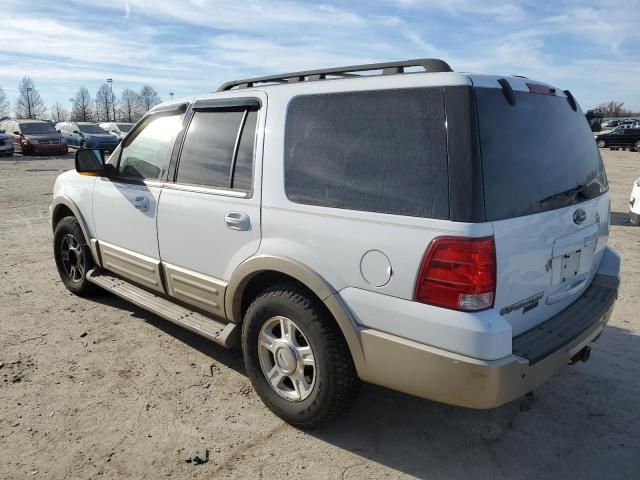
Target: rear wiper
575, 191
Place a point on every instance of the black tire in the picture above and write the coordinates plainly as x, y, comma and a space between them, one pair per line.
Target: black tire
602, 143
637, 146
74, 267
83, 144
336, 382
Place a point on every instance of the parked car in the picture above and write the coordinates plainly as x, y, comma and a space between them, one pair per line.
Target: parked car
442, 234
6, 145
117, 129
34, 137
86, 135
611, 123
634, 203
620, 137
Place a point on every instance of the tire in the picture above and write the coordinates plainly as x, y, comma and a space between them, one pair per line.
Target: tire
330, 385
73, 257
83, 144
637, 146
601, 143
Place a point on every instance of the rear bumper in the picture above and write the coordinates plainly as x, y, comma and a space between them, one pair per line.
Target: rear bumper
455, 379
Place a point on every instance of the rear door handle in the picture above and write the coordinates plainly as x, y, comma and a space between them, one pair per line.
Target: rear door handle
238, 221
141, 203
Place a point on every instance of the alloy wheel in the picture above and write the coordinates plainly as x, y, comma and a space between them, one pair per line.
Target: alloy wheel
72, 255
286, 358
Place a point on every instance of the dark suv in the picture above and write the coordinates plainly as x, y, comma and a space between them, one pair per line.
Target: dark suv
620, 137
34, 137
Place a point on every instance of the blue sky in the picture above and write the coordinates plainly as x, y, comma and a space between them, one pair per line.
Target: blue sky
191, 46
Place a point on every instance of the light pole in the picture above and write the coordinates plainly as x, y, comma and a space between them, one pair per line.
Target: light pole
113, 107
171, 95
29, 100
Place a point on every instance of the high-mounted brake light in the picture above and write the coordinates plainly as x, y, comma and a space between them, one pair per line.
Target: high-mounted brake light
541, 89
458, 273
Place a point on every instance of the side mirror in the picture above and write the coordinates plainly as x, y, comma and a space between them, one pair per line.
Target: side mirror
76, 131
16, 133
91, 162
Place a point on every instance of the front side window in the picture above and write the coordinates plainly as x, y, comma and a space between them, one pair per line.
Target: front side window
146, 155
379, 151
213, 154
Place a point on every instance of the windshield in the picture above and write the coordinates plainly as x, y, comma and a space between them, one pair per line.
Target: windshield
125, 127
37, 128
533, 151
95, 129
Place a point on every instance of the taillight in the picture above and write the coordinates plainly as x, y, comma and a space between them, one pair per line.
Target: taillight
458, 273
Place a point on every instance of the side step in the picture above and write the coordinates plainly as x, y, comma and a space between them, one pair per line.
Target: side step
225, 334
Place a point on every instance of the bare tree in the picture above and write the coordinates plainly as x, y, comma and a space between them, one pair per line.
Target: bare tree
58, 113
147, 99
128, 106
82, 110
29, 103
613, 109
4, 104
105, 104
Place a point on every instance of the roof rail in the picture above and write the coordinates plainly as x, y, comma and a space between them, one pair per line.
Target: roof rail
388, 68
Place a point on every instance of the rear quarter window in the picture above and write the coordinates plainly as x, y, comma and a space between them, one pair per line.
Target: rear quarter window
380, 151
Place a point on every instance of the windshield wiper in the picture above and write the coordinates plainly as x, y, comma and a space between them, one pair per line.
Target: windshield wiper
575, 191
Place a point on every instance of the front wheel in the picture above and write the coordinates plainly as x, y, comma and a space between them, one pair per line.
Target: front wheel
73, 257
602, 143
297, 358
637, 146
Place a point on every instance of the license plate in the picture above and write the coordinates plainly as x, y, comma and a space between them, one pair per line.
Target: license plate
570, 266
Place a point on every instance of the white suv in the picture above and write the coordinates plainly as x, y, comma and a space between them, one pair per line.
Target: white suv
438, 233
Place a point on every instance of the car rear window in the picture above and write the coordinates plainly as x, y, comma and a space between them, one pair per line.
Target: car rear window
380, 151
533, 151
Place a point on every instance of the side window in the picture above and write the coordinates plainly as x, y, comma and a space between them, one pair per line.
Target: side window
379, 151
210, 145
146, 155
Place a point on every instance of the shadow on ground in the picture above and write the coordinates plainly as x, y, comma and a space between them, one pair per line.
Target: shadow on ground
621, 219
552, 433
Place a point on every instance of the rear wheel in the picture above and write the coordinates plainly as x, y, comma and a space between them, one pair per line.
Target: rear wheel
73, 257
602, 143
83, 144
296, 357
637, 146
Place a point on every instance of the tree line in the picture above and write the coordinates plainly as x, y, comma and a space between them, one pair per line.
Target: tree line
615, 109
105, 106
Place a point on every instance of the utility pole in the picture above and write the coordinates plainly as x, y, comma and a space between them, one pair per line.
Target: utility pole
29, 101
113, 107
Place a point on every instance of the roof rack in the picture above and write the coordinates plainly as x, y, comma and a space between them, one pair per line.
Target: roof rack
388, 68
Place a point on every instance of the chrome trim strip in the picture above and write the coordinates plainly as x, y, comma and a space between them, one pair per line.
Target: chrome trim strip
207, 190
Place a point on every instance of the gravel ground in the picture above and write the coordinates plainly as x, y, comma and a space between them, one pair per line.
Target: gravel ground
101, 389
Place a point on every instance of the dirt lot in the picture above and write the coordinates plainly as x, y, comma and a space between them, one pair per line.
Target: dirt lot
101, 389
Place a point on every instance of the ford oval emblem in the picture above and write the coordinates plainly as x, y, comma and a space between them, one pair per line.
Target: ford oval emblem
579, 216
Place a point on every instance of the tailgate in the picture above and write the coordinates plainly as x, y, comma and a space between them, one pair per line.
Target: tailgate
545, 261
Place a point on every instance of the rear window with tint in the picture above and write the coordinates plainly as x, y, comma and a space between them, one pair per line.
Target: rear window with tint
534, 150
380, 151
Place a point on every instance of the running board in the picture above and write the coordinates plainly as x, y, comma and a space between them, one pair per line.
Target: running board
225, 334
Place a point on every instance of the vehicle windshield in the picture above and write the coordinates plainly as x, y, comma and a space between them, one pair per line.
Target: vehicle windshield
36, 128
95, 129
537, 155
124, 127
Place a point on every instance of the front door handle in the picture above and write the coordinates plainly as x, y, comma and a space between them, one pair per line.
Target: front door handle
238, 221
141, 203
